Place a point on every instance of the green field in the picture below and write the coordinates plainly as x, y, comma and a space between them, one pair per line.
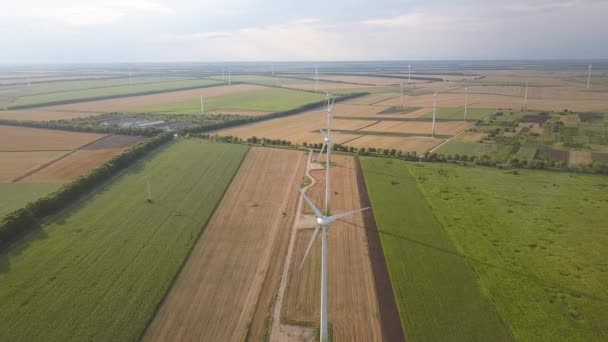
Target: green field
535, 241
16, 195
437, 294
54, 87
264, 80
263, 100
469, 148
458, 113
122, 89
99, 270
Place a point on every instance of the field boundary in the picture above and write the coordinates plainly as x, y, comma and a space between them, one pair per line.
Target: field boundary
382, 118
51, 162
392, 329
391, 134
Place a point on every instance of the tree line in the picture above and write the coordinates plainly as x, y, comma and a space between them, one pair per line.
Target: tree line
27, 218
75, 126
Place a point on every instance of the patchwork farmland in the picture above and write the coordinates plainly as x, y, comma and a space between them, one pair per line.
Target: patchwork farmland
201, 234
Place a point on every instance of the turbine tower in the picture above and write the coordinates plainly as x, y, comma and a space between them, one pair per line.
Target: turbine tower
316, 78
434, 110
409, 73
326, 136
526, 98
466, 102
589, 76
323, 221
202, 108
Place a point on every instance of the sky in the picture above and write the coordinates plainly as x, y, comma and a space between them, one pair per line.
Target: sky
71, 31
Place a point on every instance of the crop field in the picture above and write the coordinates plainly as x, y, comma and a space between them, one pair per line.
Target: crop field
264, 80
123, 104
539, 259
263, 100
119, 253
469, 148
352, 305
215, 294
436, 291
296, 128
83, 94
15, 195
366, 80
406, 144
16, 164
34, 139
420, 127
458, 113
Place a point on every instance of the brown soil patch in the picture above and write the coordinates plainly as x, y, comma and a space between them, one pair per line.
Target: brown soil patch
421, 127
15, 164
323, 86
579, 157
406, 144
353, 305
35, 139
214, 296
115, 141
72, 166
367, 80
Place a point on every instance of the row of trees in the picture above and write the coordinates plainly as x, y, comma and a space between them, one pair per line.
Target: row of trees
251, 119
24, 219
75, 126
543, 164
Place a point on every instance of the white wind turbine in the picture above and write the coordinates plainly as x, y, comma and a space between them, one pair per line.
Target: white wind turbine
409, 73
202, 108
589, 76
466, 102
526, 98
434, 110
326, 135
323, 221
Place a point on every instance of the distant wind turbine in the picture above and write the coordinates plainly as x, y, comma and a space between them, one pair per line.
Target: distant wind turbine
409, 73
434, 110
326, 135
589, 76
202, 108
466, 102
526, 98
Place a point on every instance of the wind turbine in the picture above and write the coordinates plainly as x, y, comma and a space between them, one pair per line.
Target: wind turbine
409, 73
202, 108
434, 110
229, 81
466, 102
589, 76
526, 98
316, 78
323, 221
326, 136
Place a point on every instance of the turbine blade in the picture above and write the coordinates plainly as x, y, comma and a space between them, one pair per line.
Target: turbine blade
312, 239
323, 132
309, 202
339, 216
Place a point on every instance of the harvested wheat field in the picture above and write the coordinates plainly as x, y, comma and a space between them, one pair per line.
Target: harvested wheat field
215, 294
296, 128
579, 158
420, 127
323, 86
420, 145
366, 80
372, 98
84, 109
35, 139
471, 136
353, 304
74, 165
16, 164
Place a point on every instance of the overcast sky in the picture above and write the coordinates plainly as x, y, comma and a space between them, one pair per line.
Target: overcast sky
67, 31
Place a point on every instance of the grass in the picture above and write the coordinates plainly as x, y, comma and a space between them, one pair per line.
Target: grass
265, 80
99, 270
453, 147
535, 242
371, 90
437, 294
16, 195
78, 94
263, 100
458, 113
55, 87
